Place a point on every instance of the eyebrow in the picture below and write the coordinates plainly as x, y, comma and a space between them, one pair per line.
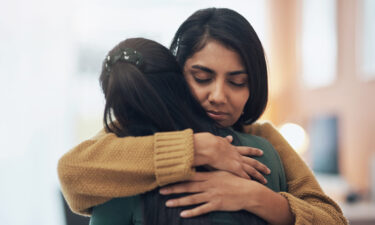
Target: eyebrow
208, 70
237, 72
203, 68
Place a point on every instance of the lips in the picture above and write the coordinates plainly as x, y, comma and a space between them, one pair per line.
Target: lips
217, 115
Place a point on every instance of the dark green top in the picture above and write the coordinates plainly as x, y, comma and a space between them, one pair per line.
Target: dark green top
128, 210
270, 158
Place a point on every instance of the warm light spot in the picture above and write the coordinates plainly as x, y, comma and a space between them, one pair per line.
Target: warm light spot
296, 136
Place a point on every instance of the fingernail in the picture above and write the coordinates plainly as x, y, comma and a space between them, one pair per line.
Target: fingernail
268, 171
170, 203
261, 152
184, 214
265, 181
164, 191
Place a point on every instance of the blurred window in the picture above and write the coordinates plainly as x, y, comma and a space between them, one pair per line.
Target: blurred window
367, 40
319, 42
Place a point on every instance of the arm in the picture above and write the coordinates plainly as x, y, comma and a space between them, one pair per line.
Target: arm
222, 191
305, 202
107, 167
306, 199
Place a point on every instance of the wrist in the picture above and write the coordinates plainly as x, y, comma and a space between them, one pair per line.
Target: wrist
254, 193
201, 150
269, 205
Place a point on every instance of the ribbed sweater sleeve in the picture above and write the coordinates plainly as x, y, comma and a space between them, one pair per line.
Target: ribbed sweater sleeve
174, 156
107, 167
306, 199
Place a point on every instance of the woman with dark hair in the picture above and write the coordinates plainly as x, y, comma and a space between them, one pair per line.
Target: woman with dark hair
146, 92
224, 64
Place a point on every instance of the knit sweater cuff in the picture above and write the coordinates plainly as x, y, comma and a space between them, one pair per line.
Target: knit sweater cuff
300, 209
173, 156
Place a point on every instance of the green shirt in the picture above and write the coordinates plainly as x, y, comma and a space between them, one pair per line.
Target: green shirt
128, 210
276, 179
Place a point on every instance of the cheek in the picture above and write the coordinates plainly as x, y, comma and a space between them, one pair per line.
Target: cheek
197, 91
242, 99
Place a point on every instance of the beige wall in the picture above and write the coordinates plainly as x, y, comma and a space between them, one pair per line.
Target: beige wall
351, 99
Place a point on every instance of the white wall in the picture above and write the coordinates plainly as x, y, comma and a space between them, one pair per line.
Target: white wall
50, 56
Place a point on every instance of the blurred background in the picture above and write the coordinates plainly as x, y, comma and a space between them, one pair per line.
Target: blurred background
321, 58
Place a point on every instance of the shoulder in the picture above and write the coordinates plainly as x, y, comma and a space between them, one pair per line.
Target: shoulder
270, 133
257, 142
261, 129
115, 211
267, 131
270, 158
252, 139
102, 133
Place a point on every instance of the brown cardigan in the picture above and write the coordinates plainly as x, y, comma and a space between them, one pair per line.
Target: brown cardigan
107, 167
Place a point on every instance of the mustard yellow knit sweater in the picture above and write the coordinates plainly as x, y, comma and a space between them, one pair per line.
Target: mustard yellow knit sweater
107, 167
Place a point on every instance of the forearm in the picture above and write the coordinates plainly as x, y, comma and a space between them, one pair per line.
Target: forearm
269, 205
314, 208
98, 170
308, 203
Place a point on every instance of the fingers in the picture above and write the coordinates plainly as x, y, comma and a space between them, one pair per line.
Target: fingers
255, 174
249, 151
257, 165
195, 184
229, 138
188, 187
187, 200
202, 209
238, 169
245, 175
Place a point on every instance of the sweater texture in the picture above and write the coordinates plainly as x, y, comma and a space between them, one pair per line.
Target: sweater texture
107, 167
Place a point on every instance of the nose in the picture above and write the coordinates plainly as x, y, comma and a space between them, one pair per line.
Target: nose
217, 94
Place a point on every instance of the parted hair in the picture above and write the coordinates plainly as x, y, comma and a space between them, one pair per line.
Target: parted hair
234, 32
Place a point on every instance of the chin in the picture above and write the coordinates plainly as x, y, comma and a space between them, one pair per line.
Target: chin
222, 124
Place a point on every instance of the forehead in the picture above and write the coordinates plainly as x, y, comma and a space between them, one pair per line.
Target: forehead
216, 56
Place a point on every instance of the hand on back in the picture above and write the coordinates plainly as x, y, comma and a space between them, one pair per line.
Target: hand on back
219, 153
212, 191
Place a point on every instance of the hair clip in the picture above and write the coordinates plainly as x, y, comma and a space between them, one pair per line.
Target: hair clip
126, 55
107, 61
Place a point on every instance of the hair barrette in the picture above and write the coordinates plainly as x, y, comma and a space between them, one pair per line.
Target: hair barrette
128, 55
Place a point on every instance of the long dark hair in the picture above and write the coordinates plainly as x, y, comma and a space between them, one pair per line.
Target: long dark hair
233, 31
147, 98
150, 97
147, 93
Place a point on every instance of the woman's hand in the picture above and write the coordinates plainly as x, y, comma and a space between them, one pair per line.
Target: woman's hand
215, 191
223, 191
219, 153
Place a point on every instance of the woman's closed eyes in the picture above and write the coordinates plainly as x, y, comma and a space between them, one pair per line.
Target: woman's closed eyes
238, 80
